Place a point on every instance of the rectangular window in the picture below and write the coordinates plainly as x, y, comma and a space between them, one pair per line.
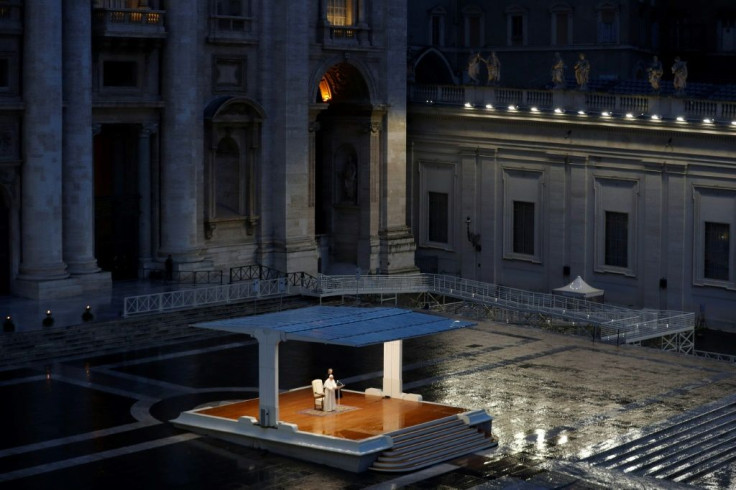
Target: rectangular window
436, 30
607, 26
473, 38
561, 28
120, 74
340, 12
617, 239
438, 217
716, 251
517, 30
727, 35
523, 228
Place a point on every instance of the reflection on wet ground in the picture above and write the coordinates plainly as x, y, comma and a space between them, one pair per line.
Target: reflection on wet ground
102, 421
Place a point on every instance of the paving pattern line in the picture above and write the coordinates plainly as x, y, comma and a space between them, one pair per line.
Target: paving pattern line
76, 438
91, 458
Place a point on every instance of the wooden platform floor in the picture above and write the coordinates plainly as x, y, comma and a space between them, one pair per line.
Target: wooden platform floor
362, 416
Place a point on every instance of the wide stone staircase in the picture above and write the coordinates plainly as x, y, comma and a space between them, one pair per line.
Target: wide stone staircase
432, 443
692, 446
58, 343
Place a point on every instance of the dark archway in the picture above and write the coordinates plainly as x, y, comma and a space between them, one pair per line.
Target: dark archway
432, 69
342, 166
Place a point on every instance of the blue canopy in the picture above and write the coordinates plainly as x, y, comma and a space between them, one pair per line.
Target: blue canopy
342, 325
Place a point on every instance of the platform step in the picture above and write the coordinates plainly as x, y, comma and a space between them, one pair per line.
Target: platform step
431, 443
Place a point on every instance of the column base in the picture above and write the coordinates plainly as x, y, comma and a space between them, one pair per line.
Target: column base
299, 255
50, 289
397, 251
99, 282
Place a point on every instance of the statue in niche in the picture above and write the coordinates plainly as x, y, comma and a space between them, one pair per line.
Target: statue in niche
558, 72
493, 65
474, 68
679, 71
582, 72
350, 180
654, 74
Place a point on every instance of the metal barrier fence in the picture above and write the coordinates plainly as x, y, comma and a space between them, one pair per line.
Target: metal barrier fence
614, 323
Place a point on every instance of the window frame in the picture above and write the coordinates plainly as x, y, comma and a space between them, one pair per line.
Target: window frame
517, 12
558, 11
713, 205
523, 186
438, 177
619, 195
601, 10
439, 14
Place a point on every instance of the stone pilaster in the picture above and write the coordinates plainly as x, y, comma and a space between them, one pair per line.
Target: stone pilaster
145, 224
181, 136
41, 216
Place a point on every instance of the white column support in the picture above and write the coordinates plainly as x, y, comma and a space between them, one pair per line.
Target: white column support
268, 375
393, 359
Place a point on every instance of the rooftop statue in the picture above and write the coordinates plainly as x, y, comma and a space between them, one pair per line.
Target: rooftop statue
474, 68
582, 72
558, 72
679, 71
493, 65
655, 72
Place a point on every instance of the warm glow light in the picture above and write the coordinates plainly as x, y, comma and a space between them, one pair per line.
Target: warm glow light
708, 120
324, 90
512, 107
468, 104
733, 123
606, 114
680, 119
655, 117
629, 115
534, 109
558, 110
581, 112
489, 106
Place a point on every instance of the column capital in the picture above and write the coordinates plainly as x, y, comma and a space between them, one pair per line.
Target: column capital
373, 127
147, 129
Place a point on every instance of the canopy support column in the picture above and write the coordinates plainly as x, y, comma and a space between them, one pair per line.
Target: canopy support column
268, 375
393, 359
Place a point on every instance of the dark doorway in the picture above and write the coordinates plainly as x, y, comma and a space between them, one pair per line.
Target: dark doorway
117, 200
4, 247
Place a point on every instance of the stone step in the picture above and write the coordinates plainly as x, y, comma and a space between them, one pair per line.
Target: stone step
124, 333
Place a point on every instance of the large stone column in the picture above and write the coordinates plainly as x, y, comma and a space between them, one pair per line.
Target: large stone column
397, 243
283, 75
181, 136
78, 166
42, 267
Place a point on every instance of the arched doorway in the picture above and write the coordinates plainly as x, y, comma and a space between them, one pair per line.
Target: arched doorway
345, 172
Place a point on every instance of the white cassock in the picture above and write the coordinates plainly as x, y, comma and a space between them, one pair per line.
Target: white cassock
329, 405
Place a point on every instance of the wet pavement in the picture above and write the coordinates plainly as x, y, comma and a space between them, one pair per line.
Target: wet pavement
101, 420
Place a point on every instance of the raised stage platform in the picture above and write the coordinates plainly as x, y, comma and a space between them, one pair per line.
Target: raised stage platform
368, 431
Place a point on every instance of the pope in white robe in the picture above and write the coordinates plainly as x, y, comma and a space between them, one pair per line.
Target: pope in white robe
329, 405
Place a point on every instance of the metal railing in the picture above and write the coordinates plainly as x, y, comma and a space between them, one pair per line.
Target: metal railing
614, 324
715, 355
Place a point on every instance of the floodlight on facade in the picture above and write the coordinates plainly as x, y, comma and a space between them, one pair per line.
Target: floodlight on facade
489, 106
681, 119
559, 110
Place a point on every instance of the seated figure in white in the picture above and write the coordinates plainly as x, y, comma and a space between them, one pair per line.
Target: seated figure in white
329, 404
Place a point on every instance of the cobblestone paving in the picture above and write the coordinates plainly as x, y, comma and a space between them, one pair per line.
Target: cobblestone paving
101, 421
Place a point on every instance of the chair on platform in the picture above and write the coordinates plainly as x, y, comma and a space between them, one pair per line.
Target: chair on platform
319, 394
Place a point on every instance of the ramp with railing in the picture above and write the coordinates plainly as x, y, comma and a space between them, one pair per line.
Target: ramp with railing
610, 323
